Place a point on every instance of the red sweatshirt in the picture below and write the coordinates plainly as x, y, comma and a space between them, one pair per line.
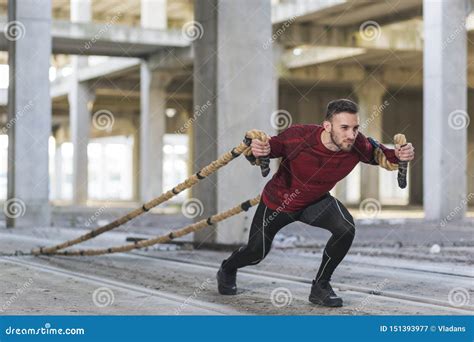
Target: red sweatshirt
308, 169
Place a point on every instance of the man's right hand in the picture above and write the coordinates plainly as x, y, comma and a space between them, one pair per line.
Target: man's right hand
259, 148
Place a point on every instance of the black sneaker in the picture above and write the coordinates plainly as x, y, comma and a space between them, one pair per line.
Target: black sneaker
226, 282
323, 294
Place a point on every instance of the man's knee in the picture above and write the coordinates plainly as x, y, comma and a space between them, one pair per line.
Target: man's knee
346, 227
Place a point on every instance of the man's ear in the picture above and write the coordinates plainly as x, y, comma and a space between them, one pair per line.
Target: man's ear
327, 125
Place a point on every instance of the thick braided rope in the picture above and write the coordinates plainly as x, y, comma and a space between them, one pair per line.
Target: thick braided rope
223, 160
399, 139
262, 136
167, 237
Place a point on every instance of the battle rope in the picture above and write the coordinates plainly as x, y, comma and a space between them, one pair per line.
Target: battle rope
169, 236
243, 147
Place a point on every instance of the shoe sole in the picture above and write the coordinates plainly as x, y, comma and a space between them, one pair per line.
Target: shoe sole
226, 291
318, 301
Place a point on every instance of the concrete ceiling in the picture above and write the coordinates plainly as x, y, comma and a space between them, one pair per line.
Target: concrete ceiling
179, 11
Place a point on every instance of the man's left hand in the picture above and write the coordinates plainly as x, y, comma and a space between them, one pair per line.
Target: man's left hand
405, 153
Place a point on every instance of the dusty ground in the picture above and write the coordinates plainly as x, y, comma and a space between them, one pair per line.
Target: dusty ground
395, 267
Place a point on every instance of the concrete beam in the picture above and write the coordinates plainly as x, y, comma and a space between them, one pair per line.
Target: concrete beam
109, 39
112, 68
405, 35
355, 12
350, 74
174, 58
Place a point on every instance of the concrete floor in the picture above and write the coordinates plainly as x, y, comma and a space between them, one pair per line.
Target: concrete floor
397, 261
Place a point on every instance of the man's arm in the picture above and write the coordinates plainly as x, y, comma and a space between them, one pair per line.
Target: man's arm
365, 148
280, 145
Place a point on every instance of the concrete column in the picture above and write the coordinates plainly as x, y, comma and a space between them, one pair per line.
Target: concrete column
444, 109
81, 12
81, 98
58, 172
370, 96
80, 105
234, 91
29, 108
152, 128
153, 14
136, 161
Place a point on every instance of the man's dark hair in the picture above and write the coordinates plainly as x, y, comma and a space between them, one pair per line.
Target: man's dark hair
340, 106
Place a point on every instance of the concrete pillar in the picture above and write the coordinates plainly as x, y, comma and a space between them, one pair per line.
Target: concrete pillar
80, 105
136, 161
444, 109
80, 12
29, 108
152, 128
58, 172
234, 91
370, 97
153, 14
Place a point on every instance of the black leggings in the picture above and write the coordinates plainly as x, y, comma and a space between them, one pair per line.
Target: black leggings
327, 213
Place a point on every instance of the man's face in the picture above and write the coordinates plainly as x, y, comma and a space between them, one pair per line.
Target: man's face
343, 129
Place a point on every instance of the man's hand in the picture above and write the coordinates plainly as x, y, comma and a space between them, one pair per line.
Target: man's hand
405, 153
260, 149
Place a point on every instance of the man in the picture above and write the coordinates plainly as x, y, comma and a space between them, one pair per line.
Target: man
314, 159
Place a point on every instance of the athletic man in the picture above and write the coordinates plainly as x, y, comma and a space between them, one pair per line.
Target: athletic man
314, 159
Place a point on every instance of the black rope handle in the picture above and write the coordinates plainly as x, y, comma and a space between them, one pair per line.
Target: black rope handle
263, 162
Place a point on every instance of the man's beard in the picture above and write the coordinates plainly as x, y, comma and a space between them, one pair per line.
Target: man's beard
342, 147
